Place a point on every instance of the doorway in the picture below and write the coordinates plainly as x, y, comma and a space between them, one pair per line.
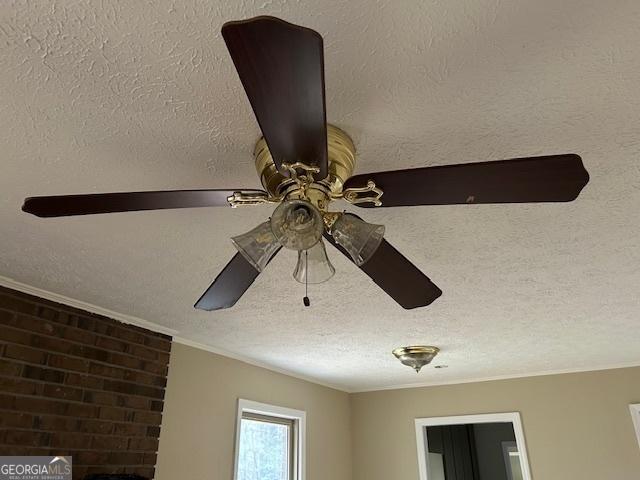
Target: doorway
472, 447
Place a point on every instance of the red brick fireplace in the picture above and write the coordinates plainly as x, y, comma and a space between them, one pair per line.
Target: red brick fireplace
75, 383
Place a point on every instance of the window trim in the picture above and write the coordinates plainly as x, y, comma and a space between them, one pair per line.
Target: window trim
634, 408
298, 419
511, 417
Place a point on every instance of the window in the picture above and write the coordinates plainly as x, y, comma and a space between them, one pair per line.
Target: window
269, 442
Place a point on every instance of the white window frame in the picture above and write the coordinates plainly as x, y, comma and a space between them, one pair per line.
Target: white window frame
299, 418
634, 408
511, 417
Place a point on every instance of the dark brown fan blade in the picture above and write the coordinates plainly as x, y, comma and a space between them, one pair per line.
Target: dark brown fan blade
65, 205
397, 276
281, 67
555, 178
229, 285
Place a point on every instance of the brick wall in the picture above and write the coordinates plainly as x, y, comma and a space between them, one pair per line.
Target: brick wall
76, 383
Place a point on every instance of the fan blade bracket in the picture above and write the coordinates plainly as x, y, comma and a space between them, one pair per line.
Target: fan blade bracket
291, 170
238, 199
369, 194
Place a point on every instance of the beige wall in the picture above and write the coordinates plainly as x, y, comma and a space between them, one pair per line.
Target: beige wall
577, 426
198, 428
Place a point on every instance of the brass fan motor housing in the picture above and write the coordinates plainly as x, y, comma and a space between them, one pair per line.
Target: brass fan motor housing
342, 161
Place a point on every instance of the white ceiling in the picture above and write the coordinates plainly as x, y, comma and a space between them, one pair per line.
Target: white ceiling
142, 95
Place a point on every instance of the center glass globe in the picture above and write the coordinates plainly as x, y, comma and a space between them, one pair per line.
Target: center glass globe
297, 224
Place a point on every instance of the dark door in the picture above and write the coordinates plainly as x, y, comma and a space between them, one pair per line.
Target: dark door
456, 444
473, 451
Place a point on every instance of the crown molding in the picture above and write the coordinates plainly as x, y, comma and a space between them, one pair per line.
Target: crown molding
256, 363
514, 376
154, 327
87, 307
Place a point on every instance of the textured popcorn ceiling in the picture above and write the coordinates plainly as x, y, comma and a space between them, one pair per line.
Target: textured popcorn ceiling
142, 95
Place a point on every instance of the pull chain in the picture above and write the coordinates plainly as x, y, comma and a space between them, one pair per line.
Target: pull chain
306, 300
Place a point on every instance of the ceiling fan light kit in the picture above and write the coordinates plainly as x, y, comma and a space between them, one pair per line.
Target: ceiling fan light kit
258, 245
359, 238
297, 224
313, 265
304, 164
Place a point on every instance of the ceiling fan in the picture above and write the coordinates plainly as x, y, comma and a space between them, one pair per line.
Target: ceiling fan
304, 164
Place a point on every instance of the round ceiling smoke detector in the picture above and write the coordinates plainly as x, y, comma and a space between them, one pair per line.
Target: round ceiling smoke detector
416, 356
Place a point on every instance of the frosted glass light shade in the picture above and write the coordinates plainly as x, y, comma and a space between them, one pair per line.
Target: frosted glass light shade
313, 265
257, 246
359, 238
297, 224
